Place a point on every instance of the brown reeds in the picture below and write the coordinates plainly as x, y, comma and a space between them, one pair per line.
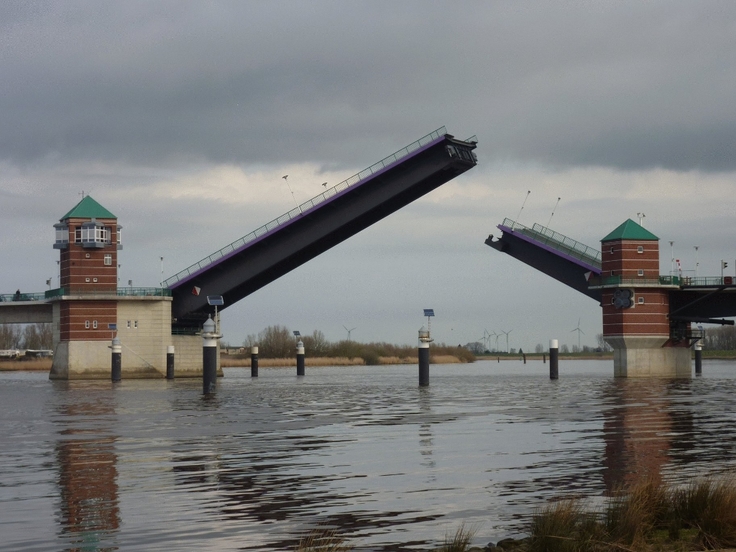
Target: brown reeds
35, 365
645, 517
460, 541
323, 540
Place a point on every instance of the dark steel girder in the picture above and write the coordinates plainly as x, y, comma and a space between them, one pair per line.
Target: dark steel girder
695, 304
558, 267
317, 230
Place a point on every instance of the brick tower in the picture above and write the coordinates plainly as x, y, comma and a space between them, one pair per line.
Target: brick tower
88, 238
636, 306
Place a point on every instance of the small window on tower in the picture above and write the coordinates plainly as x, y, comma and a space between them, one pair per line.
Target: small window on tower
86, 324
128, 324
641, 300
94, 324
641, 272
640, 249
135, 324
108, 259
612, 251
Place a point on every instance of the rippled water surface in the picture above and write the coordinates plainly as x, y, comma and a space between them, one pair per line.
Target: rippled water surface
154, 465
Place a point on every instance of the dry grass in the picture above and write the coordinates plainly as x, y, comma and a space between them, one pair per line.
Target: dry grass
230, 362
36, 365
442, 359
323, 540
646, 517
233, 362
459, 542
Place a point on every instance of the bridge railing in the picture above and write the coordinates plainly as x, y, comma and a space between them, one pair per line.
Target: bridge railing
298, 211
557, 241
634, 282
58, 292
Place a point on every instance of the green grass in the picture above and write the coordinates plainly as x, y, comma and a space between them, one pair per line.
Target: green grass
323, 540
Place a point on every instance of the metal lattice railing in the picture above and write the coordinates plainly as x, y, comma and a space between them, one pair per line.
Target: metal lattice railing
307, 205
557, 241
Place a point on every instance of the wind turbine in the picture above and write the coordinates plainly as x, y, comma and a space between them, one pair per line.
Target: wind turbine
507, 339
490, 335
579, 332
349, 331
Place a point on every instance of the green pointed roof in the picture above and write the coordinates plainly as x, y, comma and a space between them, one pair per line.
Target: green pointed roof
629, 230
88, 208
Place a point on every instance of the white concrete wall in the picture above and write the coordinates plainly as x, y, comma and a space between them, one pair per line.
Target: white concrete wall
144, 330
645, 357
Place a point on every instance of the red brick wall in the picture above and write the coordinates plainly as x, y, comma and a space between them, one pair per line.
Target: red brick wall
622, 258
75, 316
649, 318
84, 269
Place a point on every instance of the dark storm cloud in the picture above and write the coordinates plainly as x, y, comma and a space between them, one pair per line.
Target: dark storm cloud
627, 84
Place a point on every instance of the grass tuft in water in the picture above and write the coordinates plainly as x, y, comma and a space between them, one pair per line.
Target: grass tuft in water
323, 540
460, 542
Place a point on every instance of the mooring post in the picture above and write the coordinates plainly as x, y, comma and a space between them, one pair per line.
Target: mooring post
254, 362
698, 359
209, 357
170, 362
423, 353
300, 358
553, 369
117, 359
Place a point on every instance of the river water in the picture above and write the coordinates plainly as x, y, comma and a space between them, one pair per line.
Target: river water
154, 465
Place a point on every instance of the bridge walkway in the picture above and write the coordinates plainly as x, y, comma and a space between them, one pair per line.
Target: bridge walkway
269, 252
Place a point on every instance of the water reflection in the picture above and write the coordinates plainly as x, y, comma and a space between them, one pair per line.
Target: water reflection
89, 511
154, 466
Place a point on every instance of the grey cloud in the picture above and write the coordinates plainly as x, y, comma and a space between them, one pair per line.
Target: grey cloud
625, 85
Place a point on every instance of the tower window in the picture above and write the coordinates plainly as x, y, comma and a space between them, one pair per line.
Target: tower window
641, 300
86, 324
94, 324
641, 272
640, 249
94, 234
108, 259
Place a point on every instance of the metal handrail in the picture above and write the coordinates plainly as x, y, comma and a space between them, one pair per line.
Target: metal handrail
557, 241
299, 211
59, 292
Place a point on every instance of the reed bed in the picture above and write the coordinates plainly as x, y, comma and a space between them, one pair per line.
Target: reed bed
647, 517
35, 365
244, 362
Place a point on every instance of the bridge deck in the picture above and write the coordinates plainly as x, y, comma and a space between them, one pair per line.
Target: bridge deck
278, 247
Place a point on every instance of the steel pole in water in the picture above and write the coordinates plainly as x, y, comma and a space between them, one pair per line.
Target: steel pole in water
553, 368
698, 359
117, 360
209, 357
254, 362
423, 364
300, 359
170, 362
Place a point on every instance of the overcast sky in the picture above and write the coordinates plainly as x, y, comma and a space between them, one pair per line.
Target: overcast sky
181, 118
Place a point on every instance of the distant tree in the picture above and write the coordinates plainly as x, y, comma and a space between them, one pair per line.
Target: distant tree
10, 336
37, 336
276, 342
539, 348
565, 349
251, 340
316, 344
476, 347
602, 343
